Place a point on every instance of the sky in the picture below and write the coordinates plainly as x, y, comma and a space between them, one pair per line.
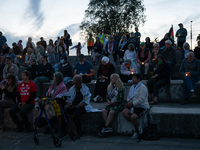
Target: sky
48, 18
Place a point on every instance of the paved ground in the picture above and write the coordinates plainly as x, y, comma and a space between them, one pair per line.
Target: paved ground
9, 140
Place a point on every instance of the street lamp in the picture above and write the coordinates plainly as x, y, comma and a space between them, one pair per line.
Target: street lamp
191, 33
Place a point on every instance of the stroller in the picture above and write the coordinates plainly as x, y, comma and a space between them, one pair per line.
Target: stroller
43, 121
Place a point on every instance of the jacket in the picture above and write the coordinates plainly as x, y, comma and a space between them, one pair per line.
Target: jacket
13, 70
10, 95
98, 47
86, 96
3, 39
163, 71
33, 69
45, 70
170, 54
114, 47
197, 52
117, 39
127, 71
66, 70
140, 96
183, 33
146, 55
51, 58
111, 70
193, 68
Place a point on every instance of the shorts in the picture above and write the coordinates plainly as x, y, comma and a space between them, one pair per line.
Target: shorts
139, 111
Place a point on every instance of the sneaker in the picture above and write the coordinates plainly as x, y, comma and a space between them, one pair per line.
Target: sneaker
1, 128
109, 129
95, 99
135, 135
37, 99
140, 129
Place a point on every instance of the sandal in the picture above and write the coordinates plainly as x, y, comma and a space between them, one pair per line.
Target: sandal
153, 102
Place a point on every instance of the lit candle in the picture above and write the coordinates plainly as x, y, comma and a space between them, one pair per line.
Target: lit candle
186, 74
142, 63
132, 72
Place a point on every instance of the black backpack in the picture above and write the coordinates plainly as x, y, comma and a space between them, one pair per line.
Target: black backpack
150, 133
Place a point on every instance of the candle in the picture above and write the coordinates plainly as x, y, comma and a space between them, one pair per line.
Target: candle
142, 63
132, 72
186, 74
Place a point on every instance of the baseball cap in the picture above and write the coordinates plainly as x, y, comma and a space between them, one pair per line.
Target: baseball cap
142, 43
80, 57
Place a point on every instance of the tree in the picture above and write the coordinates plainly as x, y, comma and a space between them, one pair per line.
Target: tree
112, 16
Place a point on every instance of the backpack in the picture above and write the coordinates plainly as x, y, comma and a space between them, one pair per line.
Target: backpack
150, 133
70, 42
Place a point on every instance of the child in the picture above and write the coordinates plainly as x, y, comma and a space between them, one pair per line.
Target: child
78, 48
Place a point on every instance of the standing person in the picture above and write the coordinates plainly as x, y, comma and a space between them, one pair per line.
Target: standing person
160, 78
111, 49
2, 40
78, 103
19, 44
170, 53
26, 93
143, 56
9, 100
137, 33
197, 51
43, 42
32, 68
134, 40
90, 43
117, 38
149, 44
66, 39
84, 68
57, 42
97, 50
123, 44
44, 74
162, 42
62, 44
104, 72
131, 53
101, 36
181, 35
10, 68
127, 35
30, 41
40, 49
78, 48
190, 71
66, 69
115, 102
16, 49
137, 104
128, 68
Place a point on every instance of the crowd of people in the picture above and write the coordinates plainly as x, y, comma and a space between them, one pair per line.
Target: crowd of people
138, 60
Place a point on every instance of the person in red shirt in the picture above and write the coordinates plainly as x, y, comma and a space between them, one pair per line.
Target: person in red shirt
26, 93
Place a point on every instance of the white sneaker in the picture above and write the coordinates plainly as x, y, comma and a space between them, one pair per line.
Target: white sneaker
140, 129
37, 99
95, 99
135, 136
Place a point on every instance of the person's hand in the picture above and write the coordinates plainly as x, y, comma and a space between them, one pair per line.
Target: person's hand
129, 104
188, 74
179, 35
156, 75
21, 104
74, 107
2, 87
109, 103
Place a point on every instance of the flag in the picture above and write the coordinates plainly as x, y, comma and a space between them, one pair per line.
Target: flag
171, 33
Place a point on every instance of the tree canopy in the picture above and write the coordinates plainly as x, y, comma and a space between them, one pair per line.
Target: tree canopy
112, 16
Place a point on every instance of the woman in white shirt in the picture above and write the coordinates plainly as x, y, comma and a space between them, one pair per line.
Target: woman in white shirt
130, 53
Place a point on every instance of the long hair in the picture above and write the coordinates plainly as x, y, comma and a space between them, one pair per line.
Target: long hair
12, 85
118, 83
59, 78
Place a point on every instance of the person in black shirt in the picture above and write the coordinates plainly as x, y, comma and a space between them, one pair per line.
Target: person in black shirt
32, 68
197, 51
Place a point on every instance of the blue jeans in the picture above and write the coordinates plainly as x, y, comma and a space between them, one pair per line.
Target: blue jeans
56, 67
188, 83
66, 79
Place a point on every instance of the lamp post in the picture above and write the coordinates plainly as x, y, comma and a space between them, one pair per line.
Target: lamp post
191, 33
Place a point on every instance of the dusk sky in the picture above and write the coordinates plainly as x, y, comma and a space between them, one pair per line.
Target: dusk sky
48, 18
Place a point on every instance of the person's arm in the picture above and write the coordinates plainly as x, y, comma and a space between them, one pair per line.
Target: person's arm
48, 72
147, 57
91, 72
16, 70
138, 60
184, 33
124, 71
120, 96
10, 94
125, 55
99, 72
32, 97
177, 33
75, 71
197, 72
4, 72
173, 59
182, 69
142, 95
18, 97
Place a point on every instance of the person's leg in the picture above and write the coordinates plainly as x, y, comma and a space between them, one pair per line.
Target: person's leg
4, 104
126, 114
110, 117
146, 68
105, 114
134, 121
77, 113
67, 111
66, 79
150, 84
93, 56
138, 67
13, 114
188, 83
115, 58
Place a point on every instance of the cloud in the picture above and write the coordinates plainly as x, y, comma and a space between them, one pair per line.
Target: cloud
34, 13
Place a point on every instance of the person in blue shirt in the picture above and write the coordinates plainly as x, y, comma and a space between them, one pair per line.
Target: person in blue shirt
84, 68
2, 40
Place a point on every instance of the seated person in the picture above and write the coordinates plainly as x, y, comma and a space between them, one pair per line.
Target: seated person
58, 87
44, 74
162, 42
123, 44
16, 49
66, 69
149, 44
51, 55
5, 49
10, 68
32, 68
26, 93
8, 99
84, 68
131, 53
35, 55
29, 45
134, 40
97, 50
104, 72
128, 68
39, 48
61, 52
190, 71
111, 49
170, 53
143, 56
28, 56
186, 50
153, 59
115, 102
197, 51
137, 104
160, 78
77, 104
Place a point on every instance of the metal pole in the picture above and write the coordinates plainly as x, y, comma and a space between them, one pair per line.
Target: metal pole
191, 35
